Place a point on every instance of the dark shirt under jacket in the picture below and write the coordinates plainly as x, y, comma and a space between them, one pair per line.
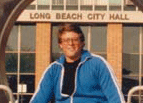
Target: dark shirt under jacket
69, 77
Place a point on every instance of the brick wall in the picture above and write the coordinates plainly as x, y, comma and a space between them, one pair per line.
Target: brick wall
114, 49
43, 49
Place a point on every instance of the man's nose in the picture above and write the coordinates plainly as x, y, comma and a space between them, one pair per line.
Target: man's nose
70, 41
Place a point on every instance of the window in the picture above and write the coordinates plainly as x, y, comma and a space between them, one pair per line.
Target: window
20, 61
101, 5
71, 4
99, 40
85, 5
132, 60
43, 4
129, 5
57, 4
32, 6
115, 5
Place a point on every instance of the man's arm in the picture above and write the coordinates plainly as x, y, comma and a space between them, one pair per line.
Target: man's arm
44, 91
109, 84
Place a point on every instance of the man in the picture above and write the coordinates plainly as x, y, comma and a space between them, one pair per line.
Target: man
78, 76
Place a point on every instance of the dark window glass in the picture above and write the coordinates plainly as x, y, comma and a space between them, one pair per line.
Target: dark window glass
57, 7
115, 8
128, 83
43, 7
24, 98
11, 62
31, 7
86, 7
131, 63
12, 81
129, 8
72, 7
27, 63
29, 81
101, 7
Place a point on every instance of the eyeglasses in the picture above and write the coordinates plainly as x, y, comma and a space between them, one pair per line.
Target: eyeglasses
73, 40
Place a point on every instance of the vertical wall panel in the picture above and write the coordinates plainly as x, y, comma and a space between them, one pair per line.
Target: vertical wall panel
114, 49
43, 49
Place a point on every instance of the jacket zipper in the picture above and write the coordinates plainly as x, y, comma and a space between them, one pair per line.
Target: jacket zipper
61, 82
71, 101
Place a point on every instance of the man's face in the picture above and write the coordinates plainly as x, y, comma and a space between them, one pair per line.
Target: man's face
71, 45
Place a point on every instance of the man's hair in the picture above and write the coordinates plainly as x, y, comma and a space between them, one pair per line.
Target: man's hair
70, 27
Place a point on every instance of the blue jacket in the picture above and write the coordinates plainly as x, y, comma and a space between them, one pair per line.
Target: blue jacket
94, 82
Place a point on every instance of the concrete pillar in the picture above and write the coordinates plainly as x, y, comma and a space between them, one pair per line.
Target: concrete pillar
43, 49
114, 49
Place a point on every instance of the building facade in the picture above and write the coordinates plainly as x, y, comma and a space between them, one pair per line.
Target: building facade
112, 29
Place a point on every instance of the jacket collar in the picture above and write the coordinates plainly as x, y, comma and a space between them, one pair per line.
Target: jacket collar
84, 56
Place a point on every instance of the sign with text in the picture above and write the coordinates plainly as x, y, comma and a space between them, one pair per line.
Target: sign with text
72, 16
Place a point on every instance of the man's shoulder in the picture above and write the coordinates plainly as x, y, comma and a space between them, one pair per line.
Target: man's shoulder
87, 55
98, 57
53, 68
53, 64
